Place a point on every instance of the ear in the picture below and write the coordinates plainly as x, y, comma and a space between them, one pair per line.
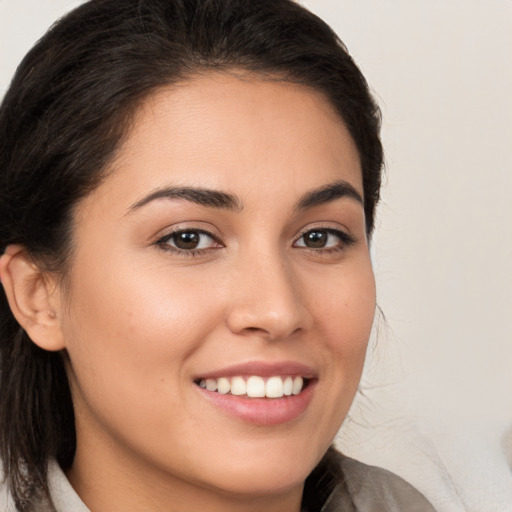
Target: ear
33, 297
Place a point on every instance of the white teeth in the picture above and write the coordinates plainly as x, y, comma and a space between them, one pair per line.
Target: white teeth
297, 385
211, 384
223, 386
274, 387
255, 386
288, 386
238, 386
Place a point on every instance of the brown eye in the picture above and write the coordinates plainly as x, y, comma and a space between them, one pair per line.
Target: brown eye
315, 239
188, 241
325, 238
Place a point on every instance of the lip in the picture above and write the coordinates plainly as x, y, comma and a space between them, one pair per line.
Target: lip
262, 411
263, 369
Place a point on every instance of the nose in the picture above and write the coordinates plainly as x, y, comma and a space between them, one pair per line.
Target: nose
267, 299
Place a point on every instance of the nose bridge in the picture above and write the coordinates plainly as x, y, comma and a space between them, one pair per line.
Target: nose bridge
266, 296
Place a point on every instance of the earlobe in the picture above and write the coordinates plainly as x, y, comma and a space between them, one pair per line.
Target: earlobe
33, 298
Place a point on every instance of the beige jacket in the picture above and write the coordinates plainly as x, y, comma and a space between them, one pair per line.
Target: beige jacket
357, 487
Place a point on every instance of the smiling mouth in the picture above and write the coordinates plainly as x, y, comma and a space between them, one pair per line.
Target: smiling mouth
255, 386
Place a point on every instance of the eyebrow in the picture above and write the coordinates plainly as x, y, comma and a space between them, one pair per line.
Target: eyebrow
328, 193
224, 200
201, 196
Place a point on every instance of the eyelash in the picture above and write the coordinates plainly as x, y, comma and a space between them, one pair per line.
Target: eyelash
345, 240
163, 243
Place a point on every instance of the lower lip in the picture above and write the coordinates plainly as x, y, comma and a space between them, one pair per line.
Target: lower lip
262, 411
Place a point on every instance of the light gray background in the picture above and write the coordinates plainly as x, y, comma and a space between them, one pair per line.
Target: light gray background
438, 387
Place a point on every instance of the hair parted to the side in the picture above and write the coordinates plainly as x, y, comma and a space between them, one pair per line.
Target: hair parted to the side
65, 114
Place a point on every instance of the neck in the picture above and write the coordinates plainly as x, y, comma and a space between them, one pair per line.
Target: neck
107, 481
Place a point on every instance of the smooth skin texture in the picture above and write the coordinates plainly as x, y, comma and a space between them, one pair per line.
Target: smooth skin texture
141, 320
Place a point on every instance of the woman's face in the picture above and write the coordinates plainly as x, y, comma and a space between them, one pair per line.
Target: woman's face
226, 248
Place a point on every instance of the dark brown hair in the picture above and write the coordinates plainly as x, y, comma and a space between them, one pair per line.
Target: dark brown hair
66, 112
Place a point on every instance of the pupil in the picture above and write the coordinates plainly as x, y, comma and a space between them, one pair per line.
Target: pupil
188, 240
316, 239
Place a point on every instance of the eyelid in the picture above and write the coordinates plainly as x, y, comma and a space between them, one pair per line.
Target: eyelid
346, 239
184, 226
162, 241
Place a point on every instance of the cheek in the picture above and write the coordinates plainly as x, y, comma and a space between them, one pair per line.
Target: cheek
345, 311
131, 342
134, 333
346, 305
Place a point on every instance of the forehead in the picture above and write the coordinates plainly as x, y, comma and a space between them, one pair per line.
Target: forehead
236, 133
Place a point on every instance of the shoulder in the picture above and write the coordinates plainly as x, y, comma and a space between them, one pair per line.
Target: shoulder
6, 501
361, 487
62, 494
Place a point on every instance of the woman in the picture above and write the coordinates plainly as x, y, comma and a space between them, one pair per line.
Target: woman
188, 193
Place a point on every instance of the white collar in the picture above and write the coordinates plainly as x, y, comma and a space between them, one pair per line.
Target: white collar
63, 495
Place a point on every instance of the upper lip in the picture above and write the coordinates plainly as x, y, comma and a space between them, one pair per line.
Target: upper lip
262, 369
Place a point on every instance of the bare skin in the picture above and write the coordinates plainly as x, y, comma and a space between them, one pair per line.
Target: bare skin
275, 273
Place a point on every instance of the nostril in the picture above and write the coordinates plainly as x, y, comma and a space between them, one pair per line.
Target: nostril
259, 331
273, 317
270, 333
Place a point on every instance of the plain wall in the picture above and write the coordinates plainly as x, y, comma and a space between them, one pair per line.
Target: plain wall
438, 388
441, 388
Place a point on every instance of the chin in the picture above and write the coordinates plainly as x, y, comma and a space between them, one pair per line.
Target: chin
265, 469
271, 480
